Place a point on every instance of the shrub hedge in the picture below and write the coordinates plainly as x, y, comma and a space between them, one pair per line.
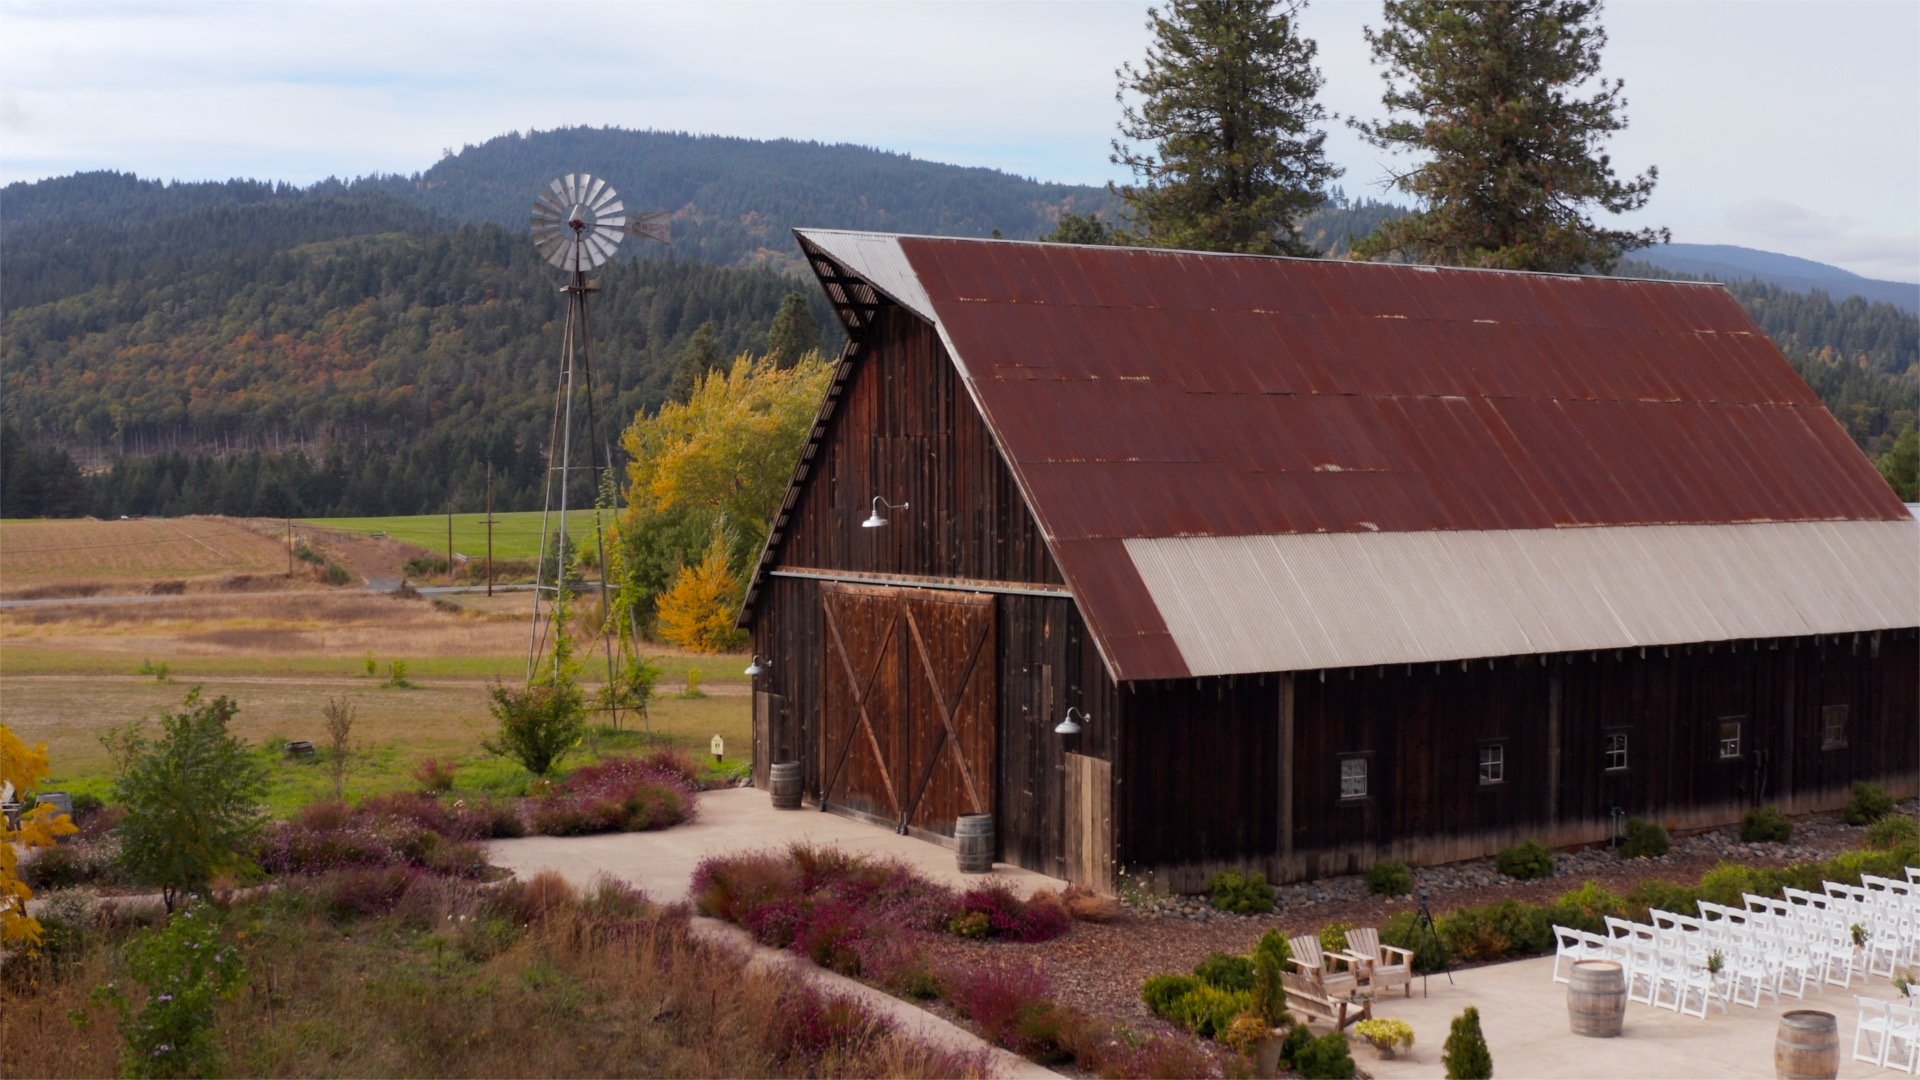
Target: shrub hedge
1241, 893
1390, 878
1526, 861
1645, 839
1765, 825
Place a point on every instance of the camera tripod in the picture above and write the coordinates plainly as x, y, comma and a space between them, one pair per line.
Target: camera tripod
1424, 932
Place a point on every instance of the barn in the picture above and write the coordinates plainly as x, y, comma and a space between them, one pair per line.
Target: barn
1327, 562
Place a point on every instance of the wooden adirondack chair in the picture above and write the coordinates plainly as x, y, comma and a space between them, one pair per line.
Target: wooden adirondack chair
1333, 971
1307, 998
1381, 966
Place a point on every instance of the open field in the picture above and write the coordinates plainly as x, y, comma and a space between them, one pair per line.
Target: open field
70, 672
515, 535
50, 555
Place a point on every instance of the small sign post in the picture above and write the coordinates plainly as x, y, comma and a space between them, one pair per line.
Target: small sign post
719, 747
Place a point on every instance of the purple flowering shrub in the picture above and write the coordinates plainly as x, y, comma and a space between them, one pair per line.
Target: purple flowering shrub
621, 794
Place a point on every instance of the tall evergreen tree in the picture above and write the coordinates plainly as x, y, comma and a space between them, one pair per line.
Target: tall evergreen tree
1503, 99
1075, 228
1226, 97
793, 334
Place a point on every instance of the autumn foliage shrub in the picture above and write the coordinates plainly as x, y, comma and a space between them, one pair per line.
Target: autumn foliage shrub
698, 610
1009, 917
623, 794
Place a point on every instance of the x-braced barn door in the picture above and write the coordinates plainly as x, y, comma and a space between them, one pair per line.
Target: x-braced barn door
909, 722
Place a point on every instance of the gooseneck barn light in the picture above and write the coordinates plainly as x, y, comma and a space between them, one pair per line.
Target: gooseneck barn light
760, 666
1069, 726
874, 520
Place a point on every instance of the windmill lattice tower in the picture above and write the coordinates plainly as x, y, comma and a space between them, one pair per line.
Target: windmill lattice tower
577, 222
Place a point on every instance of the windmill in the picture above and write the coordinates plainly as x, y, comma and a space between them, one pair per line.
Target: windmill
578, 222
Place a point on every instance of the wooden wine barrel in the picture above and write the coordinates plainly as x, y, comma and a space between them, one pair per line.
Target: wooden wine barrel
784, 780
1807, 1046
1597, 998
973, 843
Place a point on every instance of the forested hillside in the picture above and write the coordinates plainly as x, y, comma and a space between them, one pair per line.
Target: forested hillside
373, 346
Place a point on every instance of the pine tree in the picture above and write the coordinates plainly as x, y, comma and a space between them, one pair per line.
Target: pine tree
1503, 99
1466, 1055
701, 355
793, 334
1901, 465
1226, 95
1075, 228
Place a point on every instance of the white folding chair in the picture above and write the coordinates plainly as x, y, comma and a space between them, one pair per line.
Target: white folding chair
1571, 946
1902, 1039
1872, 1028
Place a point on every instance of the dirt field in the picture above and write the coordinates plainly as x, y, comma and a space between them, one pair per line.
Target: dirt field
47, 557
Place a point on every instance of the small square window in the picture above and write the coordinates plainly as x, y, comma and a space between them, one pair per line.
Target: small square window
1730, 738
1833, 727
1616, 751
1353, 778
1493, 763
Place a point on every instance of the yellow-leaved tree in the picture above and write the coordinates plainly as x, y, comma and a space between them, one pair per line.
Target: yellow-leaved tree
697, 612
22, 766
715, 464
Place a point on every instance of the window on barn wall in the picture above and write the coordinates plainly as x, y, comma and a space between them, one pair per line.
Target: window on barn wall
1493, 763
1730, 737
1353, 778
1615, 751
1833, 727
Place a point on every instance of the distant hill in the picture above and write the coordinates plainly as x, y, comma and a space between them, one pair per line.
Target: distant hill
733, 201
399, 331
1727, 262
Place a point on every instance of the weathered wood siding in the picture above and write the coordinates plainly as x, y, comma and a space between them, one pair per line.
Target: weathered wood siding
907, 431
1195, 798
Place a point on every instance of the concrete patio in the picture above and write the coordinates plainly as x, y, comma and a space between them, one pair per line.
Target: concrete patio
1524, 1016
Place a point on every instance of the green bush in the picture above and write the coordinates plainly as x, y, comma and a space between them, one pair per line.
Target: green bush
1526, 861
1296, 1043
1328, 1057
186, 972
1665, 895
1224, 972
1161, 991
1869, 804
192, 797
1644, 840
1333, 938
1207, 1011
1586, 908
1494, 931
1849, 865
538, 723
1765, 825
1466, 1055
1891, 832
1241, 893
1727, 882
1390, 878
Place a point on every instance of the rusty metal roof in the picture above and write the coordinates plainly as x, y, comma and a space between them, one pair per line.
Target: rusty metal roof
1142, 394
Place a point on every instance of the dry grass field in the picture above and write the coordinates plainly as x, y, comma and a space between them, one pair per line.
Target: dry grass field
70, 671
47, 557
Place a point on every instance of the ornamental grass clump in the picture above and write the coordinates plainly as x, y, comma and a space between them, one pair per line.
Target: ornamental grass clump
1869, 804
620, 794
1765, 825
1644, 839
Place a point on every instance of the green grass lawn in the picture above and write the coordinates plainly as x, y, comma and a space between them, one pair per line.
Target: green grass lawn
515, 535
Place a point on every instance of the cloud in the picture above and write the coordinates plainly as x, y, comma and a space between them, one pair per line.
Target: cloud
1843, 241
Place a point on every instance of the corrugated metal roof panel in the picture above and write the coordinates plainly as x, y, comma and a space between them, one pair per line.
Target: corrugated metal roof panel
1141, 394
1232, 604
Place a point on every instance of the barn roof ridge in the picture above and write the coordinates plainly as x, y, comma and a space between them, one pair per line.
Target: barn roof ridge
805, 231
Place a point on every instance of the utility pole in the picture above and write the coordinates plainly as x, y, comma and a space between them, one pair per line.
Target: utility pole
289, 547
489, 528
449, 542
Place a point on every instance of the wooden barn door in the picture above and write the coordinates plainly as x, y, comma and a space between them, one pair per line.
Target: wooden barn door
909, 723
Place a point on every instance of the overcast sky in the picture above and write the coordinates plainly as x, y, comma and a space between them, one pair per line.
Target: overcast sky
1791, 127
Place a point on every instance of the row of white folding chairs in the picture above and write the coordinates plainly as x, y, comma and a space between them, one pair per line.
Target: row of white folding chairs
1794, 952
1890, 941
1662, 967
1892, 925
1886, 1034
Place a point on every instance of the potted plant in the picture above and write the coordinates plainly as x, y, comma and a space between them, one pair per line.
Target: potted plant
1387, 1036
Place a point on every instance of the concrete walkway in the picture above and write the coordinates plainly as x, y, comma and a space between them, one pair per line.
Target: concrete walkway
661, 864
733, 820
1523, 1013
